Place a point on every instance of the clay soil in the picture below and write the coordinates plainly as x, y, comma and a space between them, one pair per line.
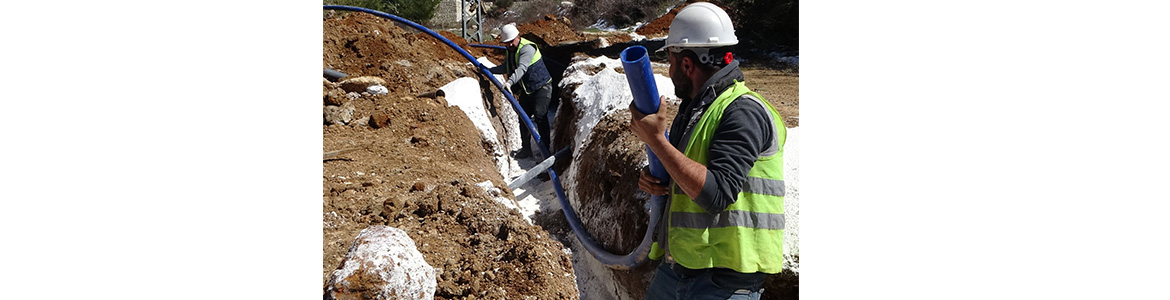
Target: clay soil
419, 173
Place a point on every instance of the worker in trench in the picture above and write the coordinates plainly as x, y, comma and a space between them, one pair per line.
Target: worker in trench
724, 228
529, 80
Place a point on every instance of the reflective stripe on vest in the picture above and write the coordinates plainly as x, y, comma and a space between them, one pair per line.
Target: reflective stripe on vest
727, 219
748, 236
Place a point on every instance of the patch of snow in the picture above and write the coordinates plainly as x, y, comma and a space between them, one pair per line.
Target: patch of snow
791, 199
637, 37
377, 90
602, 25
594, 280
535, 195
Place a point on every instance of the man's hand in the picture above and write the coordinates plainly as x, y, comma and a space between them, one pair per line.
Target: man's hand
687, 174
651, 184
649, 128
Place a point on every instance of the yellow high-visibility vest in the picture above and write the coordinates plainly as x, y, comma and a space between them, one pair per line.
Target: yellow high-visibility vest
748, 236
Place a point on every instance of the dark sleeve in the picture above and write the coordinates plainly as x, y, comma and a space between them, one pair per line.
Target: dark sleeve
498, 69
742, 134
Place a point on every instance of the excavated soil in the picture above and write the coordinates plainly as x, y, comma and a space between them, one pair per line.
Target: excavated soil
551, 30
419, 173
660, 26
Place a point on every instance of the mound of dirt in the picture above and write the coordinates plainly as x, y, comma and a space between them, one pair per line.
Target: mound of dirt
424, 170
660, 26
412, 63
551, 30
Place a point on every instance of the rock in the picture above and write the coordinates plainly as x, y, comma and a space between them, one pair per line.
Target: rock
335, 97
382, 263
339, 114
361, 83
377, 90
379, 120
364, 121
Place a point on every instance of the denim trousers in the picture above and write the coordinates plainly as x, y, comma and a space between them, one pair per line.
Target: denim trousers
673, 283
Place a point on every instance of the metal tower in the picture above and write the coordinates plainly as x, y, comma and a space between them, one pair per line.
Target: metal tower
472, 11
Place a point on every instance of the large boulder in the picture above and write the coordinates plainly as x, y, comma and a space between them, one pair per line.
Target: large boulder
382, 263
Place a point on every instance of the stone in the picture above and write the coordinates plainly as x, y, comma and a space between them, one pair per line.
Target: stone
379, 120
382, 263
361, 83
335, 97
377, 89
339, 115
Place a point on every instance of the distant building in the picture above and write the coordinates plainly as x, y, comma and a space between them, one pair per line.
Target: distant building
447, 14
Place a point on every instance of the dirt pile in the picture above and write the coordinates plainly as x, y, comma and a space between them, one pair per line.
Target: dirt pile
660, 26
551, 30
424, 170
363, 44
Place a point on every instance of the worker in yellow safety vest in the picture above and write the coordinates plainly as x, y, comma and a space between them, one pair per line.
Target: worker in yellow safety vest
724, 228
528, 78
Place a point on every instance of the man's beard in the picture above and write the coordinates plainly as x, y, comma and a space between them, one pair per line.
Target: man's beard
682, 84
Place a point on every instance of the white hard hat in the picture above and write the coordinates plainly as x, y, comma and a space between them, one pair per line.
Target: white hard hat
508, 33
700, 25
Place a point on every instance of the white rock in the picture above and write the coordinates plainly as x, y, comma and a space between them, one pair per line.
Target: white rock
377, 90
383, 262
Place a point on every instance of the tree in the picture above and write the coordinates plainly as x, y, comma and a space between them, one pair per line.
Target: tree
418, 11
772, 24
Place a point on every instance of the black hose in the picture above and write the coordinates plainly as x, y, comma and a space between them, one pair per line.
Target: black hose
334, 75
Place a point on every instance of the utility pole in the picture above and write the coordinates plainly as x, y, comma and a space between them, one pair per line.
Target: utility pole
466, 8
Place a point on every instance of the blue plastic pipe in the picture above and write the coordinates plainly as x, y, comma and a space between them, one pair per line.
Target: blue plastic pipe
487, 46
640, 76
620, 262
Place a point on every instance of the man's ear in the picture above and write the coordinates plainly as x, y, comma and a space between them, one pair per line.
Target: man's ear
688, 65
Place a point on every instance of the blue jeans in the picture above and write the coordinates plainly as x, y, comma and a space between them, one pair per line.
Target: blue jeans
697, 284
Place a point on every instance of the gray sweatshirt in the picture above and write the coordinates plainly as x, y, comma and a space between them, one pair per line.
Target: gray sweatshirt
526, 54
